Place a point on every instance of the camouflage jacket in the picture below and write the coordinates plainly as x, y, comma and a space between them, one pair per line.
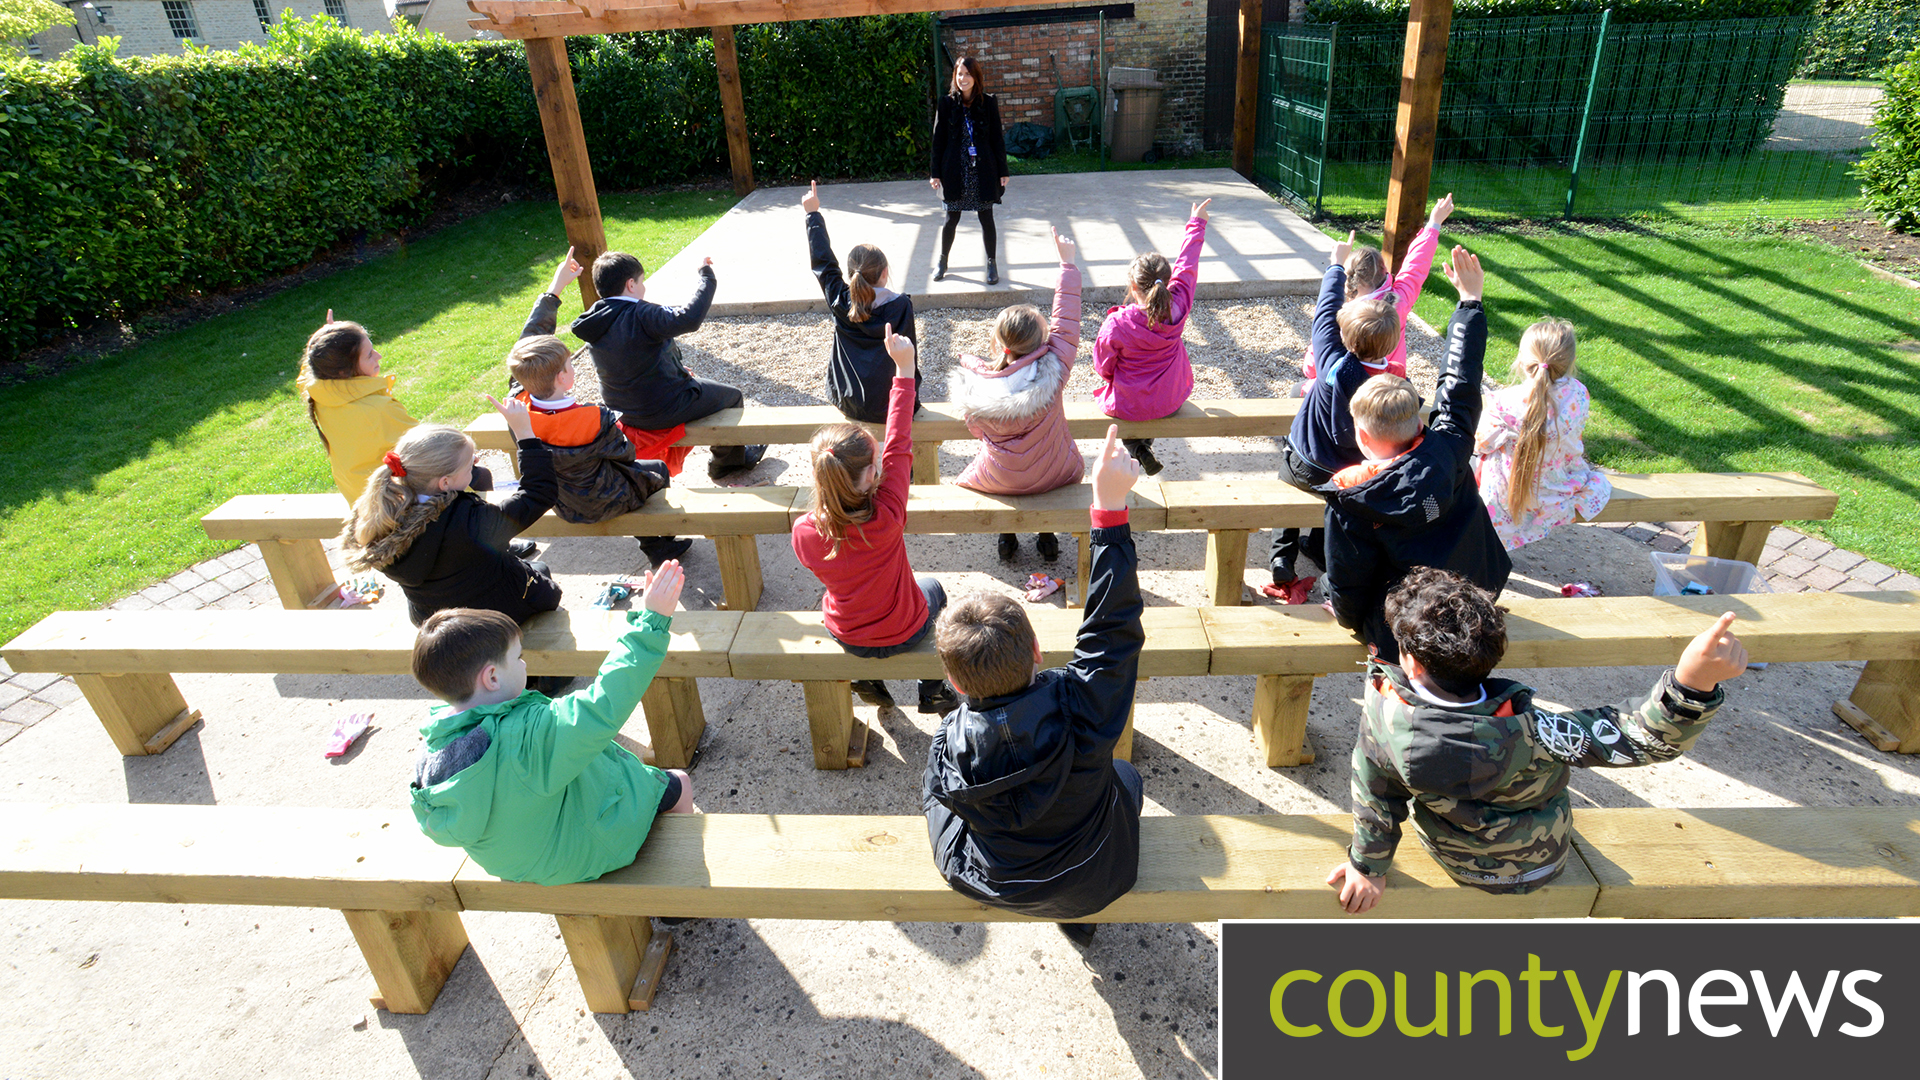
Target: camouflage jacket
1488, 782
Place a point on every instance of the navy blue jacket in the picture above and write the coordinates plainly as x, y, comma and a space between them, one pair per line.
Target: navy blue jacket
1323, 432
631, 343
1023, 806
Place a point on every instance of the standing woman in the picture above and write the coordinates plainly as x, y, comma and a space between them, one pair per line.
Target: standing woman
969, 167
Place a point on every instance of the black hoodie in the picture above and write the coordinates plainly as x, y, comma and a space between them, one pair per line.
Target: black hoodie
1422, 510
1023, 806
860, 373
631, 342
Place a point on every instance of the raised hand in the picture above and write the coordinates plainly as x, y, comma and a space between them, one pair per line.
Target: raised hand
329, 321
810, 202
1442, 210
901, 349
1114, 473
1711, 658
565, 274
1465, 273
1200, 209
661, 590
1344, 248
1064, 245
515, 411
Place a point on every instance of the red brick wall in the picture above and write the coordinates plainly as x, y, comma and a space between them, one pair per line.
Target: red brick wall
1167, 35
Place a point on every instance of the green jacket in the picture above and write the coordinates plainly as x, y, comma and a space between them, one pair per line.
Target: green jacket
536, 789
1487, 783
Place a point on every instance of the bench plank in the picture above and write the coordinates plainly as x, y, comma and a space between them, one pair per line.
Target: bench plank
753, 511
1192, 869
948, 508
1753, 862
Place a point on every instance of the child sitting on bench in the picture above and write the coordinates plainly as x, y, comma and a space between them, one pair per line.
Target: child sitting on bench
536, 789
1414, 501
1026, 806
1481, 764
859, 371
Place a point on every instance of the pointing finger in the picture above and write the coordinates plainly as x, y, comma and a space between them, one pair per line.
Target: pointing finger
1113, 442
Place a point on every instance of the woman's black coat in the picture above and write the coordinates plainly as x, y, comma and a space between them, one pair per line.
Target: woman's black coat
948, 163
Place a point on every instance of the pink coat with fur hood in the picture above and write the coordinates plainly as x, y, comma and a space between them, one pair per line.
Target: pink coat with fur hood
1017, 411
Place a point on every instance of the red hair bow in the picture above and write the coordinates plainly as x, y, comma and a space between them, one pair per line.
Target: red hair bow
392, 462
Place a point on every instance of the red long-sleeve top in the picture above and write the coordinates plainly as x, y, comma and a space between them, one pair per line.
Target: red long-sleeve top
871, 598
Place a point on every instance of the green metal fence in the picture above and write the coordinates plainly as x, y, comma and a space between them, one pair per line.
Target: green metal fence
1562, 116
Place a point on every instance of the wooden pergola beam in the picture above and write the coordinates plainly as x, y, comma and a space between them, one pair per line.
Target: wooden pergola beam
567, 152
526, 19
1246, 88
1416, 124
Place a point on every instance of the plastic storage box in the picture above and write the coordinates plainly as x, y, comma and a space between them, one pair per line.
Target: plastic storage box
1673, 572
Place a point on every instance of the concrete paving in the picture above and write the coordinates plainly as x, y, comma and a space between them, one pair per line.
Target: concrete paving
1255, 246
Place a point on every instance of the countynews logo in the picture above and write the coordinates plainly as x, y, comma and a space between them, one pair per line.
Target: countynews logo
1559, 997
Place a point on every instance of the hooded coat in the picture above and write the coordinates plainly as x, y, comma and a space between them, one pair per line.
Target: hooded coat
1023, 807
859, 371
631, 343
598, 479
451, 551
1422, 508
1018, 411
1144, 370
361, 421
542, 793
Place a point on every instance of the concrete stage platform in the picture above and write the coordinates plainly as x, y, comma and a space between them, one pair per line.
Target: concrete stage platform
1255, 246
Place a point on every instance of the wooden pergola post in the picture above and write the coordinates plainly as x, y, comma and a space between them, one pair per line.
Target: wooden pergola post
1416, 124
567, 150
1246, 87
733, 109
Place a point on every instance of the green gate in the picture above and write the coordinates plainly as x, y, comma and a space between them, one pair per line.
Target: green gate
1296, 88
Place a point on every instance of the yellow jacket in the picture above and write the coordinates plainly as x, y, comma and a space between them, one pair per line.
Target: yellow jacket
361, 421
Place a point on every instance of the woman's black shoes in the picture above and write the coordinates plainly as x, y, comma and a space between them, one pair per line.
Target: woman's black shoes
993, 271
940, 272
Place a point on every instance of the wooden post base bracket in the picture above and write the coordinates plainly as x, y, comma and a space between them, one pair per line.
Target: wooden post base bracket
1280, 719
675, 721
411, 954
143, 713
619, 958
1885, 705
740, 581
1226, 572
839, 736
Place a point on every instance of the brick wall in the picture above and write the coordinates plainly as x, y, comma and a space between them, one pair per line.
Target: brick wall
1167, 35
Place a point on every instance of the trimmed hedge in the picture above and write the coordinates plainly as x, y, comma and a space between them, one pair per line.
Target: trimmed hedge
1854, 39
128, 184
1890, 172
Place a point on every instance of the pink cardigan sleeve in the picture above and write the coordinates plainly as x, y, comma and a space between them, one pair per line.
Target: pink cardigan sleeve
1106, 360
1412, 275
1065, 339
1186, 269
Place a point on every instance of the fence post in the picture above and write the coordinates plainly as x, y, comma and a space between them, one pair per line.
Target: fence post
1326, 117
1586, 110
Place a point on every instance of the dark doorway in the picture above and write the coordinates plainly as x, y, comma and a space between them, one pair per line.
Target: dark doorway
1223, 55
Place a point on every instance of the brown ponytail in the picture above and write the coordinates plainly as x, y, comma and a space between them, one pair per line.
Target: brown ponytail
1149, 275
333, 352
1546, 356
865, 265
841, 452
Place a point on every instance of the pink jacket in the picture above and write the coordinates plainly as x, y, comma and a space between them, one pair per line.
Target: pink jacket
1017, 410
1404, 288
1144, 371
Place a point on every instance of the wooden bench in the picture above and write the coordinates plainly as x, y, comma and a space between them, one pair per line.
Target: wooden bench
938, 422
402, 894
1736, 509
394, 886
124, 661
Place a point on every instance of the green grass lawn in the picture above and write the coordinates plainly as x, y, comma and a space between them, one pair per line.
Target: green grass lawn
1708, 352
111, 465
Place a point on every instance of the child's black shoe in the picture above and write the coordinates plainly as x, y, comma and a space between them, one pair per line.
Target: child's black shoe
1009, 547
658, 549
1080, 933
1148, 463
523, 549
873, 691
1048, 545
937, 698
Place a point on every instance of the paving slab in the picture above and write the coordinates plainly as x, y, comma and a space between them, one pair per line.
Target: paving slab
1255, 246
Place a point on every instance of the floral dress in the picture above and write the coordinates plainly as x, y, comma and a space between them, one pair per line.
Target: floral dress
1567, 484
970, 191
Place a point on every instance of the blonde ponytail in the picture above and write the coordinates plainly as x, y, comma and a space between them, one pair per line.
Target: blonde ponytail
841, 452
1366, 271
865, 265
1546, 357
1149, 275
427, 453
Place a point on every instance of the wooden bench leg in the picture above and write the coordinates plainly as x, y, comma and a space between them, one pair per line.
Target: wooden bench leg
142, 713
1083, 570
618, 958
1226, 566
675, 721
1885, 705
926, 463
1280, 719
739, 571
1742, 540
411, 954
839, 737
299, 570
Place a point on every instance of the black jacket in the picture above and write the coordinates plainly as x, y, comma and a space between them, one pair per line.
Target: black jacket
860, 373
1023, 806
460, 558
948, 162
1424, 509
631, 343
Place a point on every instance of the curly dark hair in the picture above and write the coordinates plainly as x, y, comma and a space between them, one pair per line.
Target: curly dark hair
1450, 625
